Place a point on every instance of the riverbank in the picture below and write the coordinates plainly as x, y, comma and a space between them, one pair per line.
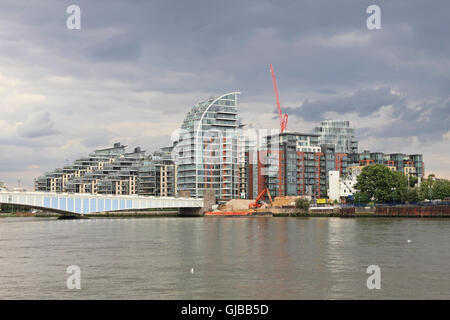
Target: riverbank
408, 211
366, 213
326, 214
345, 212
29, 214
135, 214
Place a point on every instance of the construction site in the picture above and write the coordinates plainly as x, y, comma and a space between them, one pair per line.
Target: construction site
284, 205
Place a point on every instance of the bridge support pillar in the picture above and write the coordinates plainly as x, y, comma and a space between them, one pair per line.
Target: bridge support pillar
209, 199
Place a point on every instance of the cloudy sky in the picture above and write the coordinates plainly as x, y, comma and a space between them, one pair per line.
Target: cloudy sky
136, 67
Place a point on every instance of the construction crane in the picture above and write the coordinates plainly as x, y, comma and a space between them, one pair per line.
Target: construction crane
256, 204
283, 117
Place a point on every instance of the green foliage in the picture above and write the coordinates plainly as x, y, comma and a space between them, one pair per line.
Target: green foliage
302, 204
425, 189
433, 189
441, 189
361, 197
382, 184
412, 195
400, 185
11, 208
413, 181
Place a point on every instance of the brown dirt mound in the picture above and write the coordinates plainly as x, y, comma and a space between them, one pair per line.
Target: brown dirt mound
285, 201
235, 204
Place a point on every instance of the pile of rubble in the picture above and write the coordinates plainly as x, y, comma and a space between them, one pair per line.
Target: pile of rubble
235, 205
286, 201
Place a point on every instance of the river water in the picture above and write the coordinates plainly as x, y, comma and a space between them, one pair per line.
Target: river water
231, 258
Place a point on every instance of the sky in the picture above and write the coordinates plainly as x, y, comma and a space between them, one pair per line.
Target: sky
135, 68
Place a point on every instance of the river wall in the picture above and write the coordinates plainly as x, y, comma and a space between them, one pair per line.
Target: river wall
397, 211
413, 211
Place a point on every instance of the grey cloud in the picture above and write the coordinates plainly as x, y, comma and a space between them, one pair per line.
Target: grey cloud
117, 48
94, 137
38, 125
327, 91
429, 123
186, 51
364, 102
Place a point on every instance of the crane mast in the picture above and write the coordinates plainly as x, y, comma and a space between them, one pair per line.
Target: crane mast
283, 117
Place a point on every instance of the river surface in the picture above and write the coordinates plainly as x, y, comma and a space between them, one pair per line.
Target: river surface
231, 258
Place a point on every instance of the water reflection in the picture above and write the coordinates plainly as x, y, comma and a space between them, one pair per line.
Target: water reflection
233, 258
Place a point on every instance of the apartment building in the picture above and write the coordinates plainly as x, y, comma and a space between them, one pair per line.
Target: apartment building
114, 171
157, 175
410, 165
296, 164
207, 148
338, 133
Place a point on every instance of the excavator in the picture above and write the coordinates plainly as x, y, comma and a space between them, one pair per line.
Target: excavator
251, 211
256, 204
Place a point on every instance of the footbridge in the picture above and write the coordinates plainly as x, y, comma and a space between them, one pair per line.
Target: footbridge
85, 204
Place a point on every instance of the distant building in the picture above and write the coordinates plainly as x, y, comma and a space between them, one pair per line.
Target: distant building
247, 164
105, 171
410, 165
114, 171
207, 148
339, 133
296, 164
157, 175
341, 186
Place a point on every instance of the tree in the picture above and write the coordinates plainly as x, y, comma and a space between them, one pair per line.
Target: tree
372, 178
361, 197
381, 184
400, 185
425, 190
441, 189
302, 204
413, 181
433, 188
412, 195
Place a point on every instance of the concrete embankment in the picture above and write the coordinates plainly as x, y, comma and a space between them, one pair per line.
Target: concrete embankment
135, 214
398, 211
324, 212
413, 211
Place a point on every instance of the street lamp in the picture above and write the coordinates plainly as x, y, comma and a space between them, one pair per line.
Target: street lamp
393, 189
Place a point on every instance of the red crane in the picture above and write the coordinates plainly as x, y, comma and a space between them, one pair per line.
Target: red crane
283, 117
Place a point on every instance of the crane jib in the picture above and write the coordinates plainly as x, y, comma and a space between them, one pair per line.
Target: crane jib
283, 118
